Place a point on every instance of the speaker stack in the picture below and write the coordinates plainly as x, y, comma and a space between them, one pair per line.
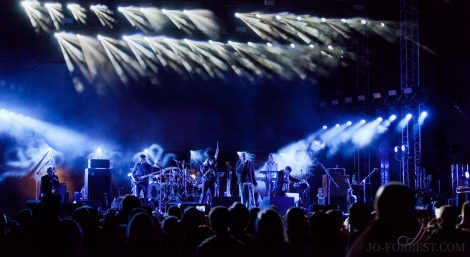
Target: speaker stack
98, 182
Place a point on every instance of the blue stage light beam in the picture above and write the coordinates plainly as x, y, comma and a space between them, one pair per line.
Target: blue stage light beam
404, 122
422, 117
365, 134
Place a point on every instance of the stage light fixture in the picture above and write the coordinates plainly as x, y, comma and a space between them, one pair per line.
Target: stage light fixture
292, 45
311, 46
396, 149
363, 121
407, 90
392, 92
237, 15
404, 148
349, 123
278, 17
322, 19
363, 22
380, 119
330, 47
299, 18
269, 44
393, 117
361, 98
257, 16
424, 114
325, 127
467, 175
343, 20
382, 24
377, 95
409, 116
337, 125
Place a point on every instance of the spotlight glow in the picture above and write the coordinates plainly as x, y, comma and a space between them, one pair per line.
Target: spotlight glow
325, 127
363, 22
422, 117
392, 117
292, 45
404, 122
349, 123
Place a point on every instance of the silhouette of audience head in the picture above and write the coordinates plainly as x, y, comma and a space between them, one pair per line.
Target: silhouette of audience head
270, 227
174, 211
172, 227
130, 202
238, 215
359, 216
297, 225
141, 229
394, 202
219, 219
448, 216
192, 219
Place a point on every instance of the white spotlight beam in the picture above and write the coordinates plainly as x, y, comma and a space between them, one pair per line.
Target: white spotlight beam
56, 13
37, 14
104, 14
78, 13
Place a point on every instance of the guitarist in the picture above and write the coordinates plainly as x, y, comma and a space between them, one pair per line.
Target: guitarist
141, 168
208, 170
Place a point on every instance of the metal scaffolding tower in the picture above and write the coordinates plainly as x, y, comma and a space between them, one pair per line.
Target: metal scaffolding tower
412, 174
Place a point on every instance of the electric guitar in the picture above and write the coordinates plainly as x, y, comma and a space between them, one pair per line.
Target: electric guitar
141, 178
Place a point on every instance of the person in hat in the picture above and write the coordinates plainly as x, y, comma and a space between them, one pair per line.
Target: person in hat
49, 182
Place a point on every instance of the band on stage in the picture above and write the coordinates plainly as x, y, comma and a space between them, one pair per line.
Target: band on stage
181, 183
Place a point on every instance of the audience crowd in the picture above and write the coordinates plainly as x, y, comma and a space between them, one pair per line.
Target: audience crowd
392, 228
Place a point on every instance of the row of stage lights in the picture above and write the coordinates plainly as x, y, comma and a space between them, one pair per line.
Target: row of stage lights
402, 124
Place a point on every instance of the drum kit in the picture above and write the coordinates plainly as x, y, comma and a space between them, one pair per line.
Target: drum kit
172, 184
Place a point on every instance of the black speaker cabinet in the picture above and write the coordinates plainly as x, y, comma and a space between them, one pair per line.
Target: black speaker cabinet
341, 187
99, 164
283, 203
98, 185
224, 201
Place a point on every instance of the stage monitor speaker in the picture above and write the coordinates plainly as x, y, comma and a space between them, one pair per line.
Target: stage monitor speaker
98, 185
224, 201
99, 164
283, 203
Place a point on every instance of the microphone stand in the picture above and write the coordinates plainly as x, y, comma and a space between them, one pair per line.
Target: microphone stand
330, 178
363, 183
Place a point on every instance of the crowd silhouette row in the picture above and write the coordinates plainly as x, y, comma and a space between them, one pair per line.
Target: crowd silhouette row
392, 228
